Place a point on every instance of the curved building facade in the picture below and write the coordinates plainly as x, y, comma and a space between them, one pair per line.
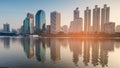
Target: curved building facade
40, 20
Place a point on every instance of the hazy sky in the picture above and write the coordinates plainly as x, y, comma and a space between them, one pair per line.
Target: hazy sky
14, 11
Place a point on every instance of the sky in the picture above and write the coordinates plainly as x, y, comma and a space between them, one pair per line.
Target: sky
14, 11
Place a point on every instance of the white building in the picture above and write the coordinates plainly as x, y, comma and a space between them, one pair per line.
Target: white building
55, 22
109, 27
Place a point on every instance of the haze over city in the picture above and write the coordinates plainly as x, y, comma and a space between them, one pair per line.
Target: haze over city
59, 34
14, 11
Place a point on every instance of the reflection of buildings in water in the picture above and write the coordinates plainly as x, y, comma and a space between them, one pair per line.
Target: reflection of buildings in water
64, 42
28, 47
95, 52
48, 42
6, 42
86, 55
40, 50
14, 40
109, 45
55, 49
76, 48
31, 47
105, 47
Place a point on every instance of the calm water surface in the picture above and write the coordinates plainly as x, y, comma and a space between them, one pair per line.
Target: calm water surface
59, 53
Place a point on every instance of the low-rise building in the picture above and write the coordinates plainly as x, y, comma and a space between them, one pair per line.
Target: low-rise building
64, 29
109, 27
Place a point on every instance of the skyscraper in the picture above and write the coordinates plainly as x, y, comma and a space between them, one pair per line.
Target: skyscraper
6, 27
55, 22
87, 19
96, 19
26, 26
105, 14
76, 13
40, 21
31, 21
77, 24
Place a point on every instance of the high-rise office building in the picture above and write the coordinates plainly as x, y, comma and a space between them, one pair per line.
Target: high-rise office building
40, 21
87, 19
6, 27
31, 21
26, 26
77, 24
76, 13
105, 14
96, 19
55, 22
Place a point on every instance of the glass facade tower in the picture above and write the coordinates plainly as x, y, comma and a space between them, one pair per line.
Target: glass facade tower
6, 27
26, 26
40, 21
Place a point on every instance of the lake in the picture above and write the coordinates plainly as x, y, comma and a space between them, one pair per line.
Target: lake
25, 52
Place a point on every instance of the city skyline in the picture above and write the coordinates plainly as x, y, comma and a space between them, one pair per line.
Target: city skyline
17, 13
59, 34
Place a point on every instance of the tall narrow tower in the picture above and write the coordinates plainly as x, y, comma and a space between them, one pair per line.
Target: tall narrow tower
77, 24
76, 13
96, 19
30, 16
87, 19
105, 15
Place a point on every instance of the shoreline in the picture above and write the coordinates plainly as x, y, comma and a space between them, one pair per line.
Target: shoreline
79, 35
